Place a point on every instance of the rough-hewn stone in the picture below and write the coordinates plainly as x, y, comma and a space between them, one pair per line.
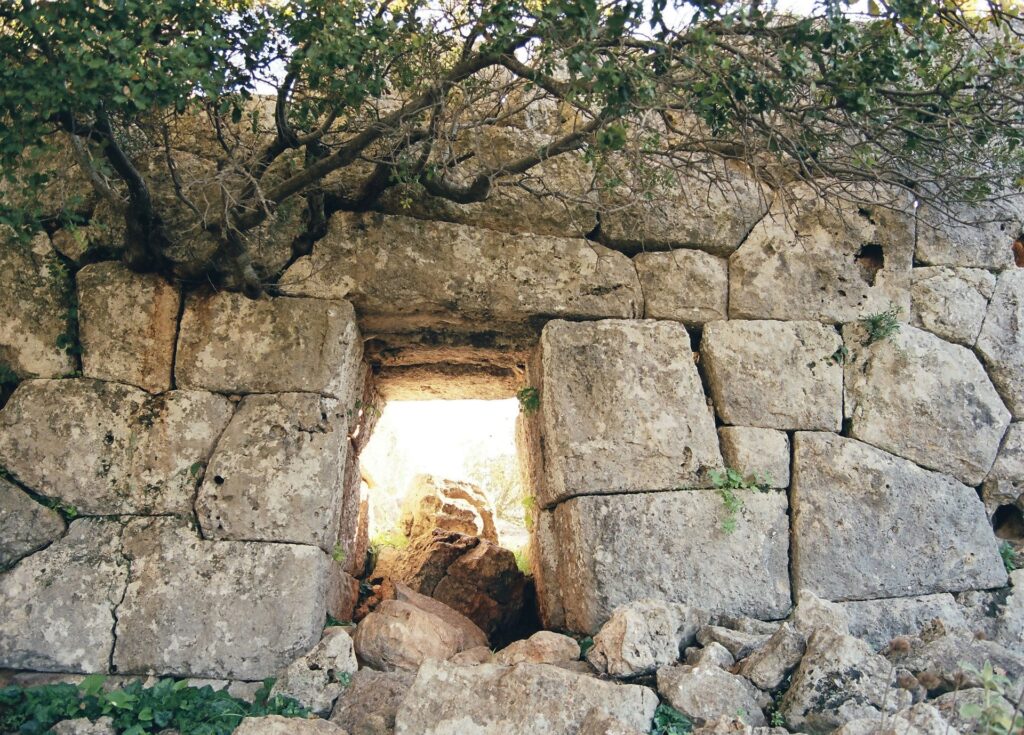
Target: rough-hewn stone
544, 563
920, 397
342, 593
57, 607
705, 693
977, 236
526, 699
640, 636
470, 635
921, 719
601, 723
110, 448
822, 260
739, 643
621, 410
399, 635
1004, 484
812, 612
1001, 342
867, 524
688, 286
368, 705
543, 647
223, 609
450, 505
776, 375
951, 302
672, 546
759, 453
713, 654
277, 473
83, 726
955, 660
128, 323
234, 344
768, 666
879, 621
315, 679
278, 725
25, 525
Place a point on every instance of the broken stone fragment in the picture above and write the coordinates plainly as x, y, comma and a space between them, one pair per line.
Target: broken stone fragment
470, 635
399, 635
738, 643
317, 678
278, 725
879, 621
25, 525
543, 647
449, 505
599, 722
921, 719
368, 704
644, 635
713, 654
705, 693
767, 667
812, 612
83, 726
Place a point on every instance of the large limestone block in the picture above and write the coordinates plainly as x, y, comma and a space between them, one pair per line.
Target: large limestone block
823, 260
526, 699
108, 448
25, 525
1001, 342
233, 344
763, 453
219, 609
34, 303
1005, 483
879, 621
277, 473
128, 323
622, 410
951, 302
975, 236
688, 286
925, 399
403, 273
867, 524
671, 546
57, 607
775, 375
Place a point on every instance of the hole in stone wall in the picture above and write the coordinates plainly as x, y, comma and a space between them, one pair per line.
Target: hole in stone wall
1008, 522
871, 259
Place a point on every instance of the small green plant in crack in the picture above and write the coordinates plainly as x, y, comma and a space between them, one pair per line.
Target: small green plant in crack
882, 325
529, 400
1009, 556
993, 716
670, 721
338, 553
727, 482
841, 356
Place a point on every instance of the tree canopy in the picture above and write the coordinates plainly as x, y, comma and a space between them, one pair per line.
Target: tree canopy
922, 96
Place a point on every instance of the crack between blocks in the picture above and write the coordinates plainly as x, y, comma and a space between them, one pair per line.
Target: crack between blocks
111, 667
628, 493
202, 473
177, 337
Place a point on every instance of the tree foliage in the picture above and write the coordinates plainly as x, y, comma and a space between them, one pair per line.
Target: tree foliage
289, 98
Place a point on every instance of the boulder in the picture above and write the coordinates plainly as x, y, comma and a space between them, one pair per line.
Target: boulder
713, 654
705, 693
687, 286
971, 235
859, 525
399, 635
768, 666
84, 726
526, 699
951, 302
543, 647
817, 258
220, 609
317, 678
470, 635
233, 344
35, 296
449, 505
640, 636
424, 561
57, 607
107, 448
759, 453
921, 719
369, 703
1001, 342
1004, 484
277, 473
25, 525
776, 375
738, 643
879, 621
278, 725
128, 323
672, 546
925, 399
838, 680
621, 410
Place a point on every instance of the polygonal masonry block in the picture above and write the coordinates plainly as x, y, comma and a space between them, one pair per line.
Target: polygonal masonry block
867, 524
761, 454
127, 324
217, 609
25, 525
688, 286
1004, 485
970, 235
231, 344
951, 302
673, 546
621, 409
1001, 342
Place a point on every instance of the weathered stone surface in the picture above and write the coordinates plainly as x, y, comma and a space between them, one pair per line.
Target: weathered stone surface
473, 656
110, 448
822, 260
234, 344
399, 635
839, 679
713, 654
640, 636
599, 722
1001, 342
34, 300
342, 593
278, 725
768, 666
812, 612
450, 505
402, 273
738, 643
921, 719
705, 693
128, 323
368, 705
526, 699
278, 471
977, 236
776, 375
762, 453
544, 563
951, 302
687, 286
57, 606
671, 546
83, 726
950, 706
621, 410
879, 621
1004, 484
736, 726
223, 609
315, 679
867, 524
949, 662
25, 525
543, 647
470, 635
925, 399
